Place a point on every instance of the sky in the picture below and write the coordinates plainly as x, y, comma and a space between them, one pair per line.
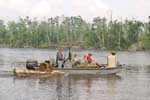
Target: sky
87, 9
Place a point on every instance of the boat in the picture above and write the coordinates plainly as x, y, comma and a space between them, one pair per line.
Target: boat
90, 70
28, 73
75, 70
78, 69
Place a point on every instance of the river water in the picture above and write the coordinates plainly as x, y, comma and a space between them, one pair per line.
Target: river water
132, 83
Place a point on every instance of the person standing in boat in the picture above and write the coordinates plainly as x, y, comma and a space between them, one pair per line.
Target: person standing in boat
112, 60
59, 59
67, 61
69, 55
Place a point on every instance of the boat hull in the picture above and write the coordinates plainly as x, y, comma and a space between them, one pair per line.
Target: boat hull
27, 73
102, 71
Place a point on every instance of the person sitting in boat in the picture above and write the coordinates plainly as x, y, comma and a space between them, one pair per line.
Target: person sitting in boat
89, 58
75, 60
84, 59
91, 61
112, 60
59, 59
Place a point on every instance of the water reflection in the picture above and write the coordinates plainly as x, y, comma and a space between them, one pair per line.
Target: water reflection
147, 69
59, 82
72, 87
90, 87
76, 87
112, 84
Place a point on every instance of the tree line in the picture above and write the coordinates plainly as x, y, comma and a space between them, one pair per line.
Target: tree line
98, 34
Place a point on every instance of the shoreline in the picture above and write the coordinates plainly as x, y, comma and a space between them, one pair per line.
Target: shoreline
46, 48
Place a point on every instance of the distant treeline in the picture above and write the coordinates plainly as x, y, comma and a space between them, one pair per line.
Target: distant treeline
98, 34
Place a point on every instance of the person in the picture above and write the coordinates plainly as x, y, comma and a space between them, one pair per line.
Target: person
75, 60
59, 59
69, 55
83, 59
112, 60
68, 60
91, 61
89, 58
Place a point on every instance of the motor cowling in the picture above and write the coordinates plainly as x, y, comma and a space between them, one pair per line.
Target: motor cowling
32, 64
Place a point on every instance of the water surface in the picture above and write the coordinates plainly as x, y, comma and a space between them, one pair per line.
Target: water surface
131, 84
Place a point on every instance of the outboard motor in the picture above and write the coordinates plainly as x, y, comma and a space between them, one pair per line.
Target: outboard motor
32, 64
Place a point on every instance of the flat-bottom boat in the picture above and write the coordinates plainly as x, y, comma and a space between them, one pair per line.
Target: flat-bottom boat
87, 70
79, 69
62, 71
27, 73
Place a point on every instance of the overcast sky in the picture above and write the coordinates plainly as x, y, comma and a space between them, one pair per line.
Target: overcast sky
133, 9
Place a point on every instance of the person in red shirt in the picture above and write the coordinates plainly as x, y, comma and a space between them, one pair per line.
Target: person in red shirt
91, 61
89, 58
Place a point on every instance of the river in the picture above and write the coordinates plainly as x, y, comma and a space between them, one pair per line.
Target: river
132, 83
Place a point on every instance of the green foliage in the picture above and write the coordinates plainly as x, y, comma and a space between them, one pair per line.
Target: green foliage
100, 33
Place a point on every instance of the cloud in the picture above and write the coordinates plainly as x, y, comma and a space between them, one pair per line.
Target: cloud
47, 8
89, 8
131, 9
15, 5
142, 7
12, 9
40, 9
51, 8
84, 8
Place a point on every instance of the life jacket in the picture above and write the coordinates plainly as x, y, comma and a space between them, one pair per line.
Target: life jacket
112, 61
